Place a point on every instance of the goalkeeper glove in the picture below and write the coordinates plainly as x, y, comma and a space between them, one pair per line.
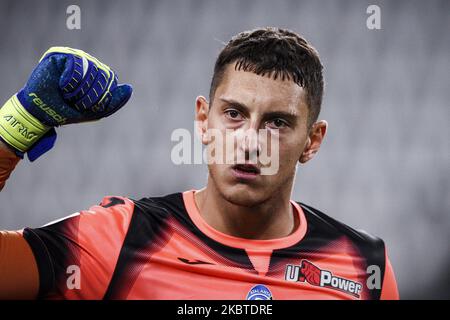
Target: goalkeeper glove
67, 86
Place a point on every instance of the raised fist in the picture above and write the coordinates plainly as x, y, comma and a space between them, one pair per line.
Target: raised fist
67, 86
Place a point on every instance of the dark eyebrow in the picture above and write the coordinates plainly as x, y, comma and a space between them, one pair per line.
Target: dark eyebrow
281, 114
269, 115
234, 103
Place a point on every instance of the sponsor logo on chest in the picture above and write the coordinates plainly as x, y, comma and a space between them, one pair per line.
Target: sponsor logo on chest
315, 276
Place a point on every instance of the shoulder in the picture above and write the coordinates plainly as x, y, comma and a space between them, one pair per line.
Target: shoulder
319, 222
160, 207
325, 231
333, 238
90, 239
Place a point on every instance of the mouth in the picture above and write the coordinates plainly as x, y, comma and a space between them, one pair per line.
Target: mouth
246, 171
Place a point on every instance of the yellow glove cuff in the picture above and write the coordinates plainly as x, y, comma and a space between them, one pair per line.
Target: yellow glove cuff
18, 127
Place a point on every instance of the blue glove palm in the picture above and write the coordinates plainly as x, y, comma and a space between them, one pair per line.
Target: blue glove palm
67, 86
75, 86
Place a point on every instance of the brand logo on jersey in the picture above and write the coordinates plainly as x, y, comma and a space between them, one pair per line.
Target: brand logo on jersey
259, 292
315, 276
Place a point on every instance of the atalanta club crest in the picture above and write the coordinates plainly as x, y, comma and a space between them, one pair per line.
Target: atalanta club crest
259, 292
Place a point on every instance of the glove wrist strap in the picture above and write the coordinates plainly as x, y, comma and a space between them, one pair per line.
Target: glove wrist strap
18, 127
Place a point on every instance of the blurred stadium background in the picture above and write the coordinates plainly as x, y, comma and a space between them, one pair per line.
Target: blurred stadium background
384, 166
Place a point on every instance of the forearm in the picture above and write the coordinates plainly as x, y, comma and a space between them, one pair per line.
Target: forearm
8, 161
19, 276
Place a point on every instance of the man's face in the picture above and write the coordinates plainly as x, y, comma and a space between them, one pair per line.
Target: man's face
245, 102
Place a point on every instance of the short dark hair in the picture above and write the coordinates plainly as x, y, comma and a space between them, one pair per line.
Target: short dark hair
277, 53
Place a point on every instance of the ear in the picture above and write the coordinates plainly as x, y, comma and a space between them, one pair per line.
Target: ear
201, 117
314, 141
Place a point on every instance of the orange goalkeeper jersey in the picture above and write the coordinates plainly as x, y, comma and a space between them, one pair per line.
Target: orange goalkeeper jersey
161, 248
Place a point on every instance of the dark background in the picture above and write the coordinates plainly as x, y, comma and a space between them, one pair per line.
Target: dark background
384, 166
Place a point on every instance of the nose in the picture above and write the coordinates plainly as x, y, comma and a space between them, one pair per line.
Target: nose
249, 145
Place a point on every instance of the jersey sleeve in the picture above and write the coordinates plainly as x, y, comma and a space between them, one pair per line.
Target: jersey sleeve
389, 290
76, 255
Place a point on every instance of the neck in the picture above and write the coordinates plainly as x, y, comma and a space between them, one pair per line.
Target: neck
270, 219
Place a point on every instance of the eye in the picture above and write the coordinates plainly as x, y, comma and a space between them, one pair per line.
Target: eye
233, 114
277, 123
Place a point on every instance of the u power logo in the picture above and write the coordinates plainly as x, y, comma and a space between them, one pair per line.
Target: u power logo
322, 278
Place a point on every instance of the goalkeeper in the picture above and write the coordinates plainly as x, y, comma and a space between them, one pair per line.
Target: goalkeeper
240, 237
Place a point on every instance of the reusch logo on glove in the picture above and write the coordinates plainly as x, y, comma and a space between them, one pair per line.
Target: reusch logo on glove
322, 278
52, 113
